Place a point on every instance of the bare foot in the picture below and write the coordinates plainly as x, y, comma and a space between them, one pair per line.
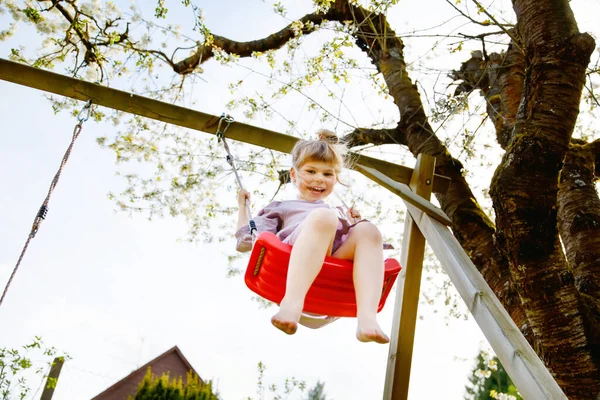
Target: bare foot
284, 325
372, 335
288, 316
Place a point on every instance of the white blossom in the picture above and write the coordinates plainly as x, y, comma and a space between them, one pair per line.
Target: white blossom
91, 74
501, 396
297, 27
483, 373
5, 34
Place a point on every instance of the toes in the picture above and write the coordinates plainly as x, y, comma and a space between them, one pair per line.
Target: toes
288, 327
372, 335
381, 339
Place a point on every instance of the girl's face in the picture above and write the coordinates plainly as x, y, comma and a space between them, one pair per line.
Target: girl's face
314, 179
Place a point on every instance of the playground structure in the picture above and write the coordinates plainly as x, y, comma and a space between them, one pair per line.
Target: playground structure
424, 222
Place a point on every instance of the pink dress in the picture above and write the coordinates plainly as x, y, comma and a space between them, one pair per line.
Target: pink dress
283, 218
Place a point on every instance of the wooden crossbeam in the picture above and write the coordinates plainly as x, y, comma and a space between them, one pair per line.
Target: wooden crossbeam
404, 192
131, 103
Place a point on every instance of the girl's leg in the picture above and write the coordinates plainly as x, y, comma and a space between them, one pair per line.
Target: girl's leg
314, 242
364, 245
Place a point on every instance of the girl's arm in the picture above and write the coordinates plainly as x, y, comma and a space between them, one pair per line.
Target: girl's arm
242, 213
267, 220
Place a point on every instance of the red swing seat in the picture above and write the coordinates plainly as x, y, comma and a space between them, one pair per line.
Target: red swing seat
332, 292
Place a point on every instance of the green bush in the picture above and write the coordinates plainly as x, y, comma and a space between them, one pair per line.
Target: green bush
490, 381
165, 388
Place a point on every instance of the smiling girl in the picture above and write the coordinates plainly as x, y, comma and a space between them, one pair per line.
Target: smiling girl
315, 230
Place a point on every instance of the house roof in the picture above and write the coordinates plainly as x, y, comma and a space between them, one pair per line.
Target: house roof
134, 378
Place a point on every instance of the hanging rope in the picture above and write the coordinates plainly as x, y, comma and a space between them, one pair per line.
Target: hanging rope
228, 119
83, 116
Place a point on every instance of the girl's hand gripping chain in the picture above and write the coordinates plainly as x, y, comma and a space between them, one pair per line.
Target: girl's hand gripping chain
353, 215
242, 196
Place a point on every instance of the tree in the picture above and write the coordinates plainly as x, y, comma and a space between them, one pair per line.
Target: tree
539, 251
317, 392
489, 380
19, 366
164, 388
274, 391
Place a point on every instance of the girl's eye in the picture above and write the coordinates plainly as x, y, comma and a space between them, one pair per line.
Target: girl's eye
310, 171
328, 174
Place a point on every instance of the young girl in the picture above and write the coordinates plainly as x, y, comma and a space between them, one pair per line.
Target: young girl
316, 230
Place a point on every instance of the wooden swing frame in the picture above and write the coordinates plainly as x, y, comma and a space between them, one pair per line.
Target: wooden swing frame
425, 222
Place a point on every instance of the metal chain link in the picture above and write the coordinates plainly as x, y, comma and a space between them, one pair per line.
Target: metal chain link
228, 119
83, 116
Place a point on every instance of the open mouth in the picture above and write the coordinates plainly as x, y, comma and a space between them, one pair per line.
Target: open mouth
316, 190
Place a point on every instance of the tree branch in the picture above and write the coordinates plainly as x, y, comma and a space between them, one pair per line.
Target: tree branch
363, 136
594, 149
500, 79
473, 20
90, 56
246, 49
502, 26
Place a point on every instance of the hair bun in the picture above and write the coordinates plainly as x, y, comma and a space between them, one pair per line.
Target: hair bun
327, 136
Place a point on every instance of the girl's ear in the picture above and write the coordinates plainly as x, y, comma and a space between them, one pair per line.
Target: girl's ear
293, 174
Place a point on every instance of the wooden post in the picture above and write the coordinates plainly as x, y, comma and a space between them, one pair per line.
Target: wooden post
52, 379
407, 294
523, 365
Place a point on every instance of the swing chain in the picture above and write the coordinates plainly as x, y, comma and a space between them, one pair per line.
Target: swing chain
83, 116
85, 112
228, 119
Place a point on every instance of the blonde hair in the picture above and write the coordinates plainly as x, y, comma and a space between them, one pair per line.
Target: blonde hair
327, 148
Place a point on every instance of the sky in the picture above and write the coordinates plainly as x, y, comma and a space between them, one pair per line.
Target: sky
115, 291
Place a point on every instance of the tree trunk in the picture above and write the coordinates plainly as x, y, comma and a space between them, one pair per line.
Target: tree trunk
524, 190
579, 227
506, 74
